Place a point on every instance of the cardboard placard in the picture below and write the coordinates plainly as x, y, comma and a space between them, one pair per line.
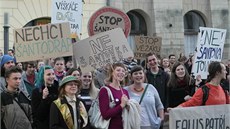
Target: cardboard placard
210, 46
98, 50
42, 42
200, 117
146, 44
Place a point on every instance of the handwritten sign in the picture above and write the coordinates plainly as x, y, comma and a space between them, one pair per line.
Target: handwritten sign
108, 18
201, 117
146, 44
42, 42
98, 50
68, 11
210, 46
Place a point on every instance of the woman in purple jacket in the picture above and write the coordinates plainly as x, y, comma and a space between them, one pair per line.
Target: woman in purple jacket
114, 82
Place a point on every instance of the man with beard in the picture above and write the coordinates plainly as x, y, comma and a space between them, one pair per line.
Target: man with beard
7, 62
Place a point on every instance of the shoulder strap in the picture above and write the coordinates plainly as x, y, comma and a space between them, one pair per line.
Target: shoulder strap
226, 94
205, 90
109, 93
19, 104
142, 96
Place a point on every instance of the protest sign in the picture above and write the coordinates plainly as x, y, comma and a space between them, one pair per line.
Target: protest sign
200, 117
68, 11
98, 50
42, 42
210, 46
146, 44
108, 18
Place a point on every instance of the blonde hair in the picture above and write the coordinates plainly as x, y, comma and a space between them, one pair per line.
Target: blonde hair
110, 72
93, 90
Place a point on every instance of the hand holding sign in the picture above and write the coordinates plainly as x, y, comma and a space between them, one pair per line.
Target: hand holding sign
45, 93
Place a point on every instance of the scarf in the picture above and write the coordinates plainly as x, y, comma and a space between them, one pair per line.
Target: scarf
66, 114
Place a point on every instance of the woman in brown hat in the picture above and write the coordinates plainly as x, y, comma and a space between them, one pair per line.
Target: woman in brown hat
67, 111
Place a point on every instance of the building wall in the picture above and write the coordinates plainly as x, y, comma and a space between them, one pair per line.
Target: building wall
159, 14
23, 11
220, 17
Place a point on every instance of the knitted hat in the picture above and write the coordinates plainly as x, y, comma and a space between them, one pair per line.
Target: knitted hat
67, 79
6, 58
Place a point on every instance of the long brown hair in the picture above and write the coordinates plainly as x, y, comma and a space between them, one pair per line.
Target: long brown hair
173, 81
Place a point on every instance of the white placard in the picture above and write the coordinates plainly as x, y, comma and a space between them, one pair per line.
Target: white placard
68, 11
210, 46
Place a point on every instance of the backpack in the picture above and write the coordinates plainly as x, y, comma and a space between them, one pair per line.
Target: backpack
205, 90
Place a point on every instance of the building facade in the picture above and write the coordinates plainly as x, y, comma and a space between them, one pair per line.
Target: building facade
176, 21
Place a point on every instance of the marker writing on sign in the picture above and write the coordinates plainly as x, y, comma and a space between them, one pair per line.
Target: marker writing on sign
209, 53
39, 33
202, 123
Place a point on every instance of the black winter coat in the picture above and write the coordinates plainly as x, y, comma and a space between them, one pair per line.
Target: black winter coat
41, 107
160, 82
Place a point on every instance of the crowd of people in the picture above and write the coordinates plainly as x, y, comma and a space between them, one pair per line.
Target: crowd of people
55, 94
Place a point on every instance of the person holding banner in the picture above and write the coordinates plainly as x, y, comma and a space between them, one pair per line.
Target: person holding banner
114, 82
216, 94
180, 86
152, 109
43, 95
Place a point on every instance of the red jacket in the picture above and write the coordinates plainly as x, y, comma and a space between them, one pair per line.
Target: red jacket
216, 96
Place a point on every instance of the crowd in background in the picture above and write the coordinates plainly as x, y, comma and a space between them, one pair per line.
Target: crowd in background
53, 93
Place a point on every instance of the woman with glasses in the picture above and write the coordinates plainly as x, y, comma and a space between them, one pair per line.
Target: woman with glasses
68, 112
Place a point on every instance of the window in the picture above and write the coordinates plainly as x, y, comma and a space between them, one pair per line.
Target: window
138, 25
39, 21
192, 21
